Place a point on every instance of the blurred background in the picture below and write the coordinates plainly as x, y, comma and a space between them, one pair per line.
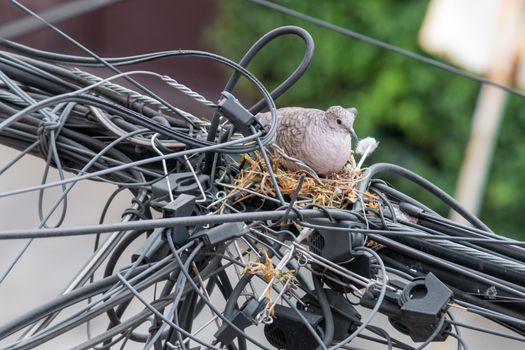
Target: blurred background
422, 116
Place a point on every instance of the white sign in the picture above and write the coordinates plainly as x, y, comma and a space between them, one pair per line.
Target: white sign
476, 34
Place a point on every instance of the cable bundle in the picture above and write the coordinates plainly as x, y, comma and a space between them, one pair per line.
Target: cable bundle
282, 261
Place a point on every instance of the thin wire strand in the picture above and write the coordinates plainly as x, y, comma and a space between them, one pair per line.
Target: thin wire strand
386, 46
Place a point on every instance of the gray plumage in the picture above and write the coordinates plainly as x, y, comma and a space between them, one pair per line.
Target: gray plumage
320, 139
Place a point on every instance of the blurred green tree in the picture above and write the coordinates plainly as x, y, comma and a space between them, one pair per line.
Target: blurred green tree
420, 114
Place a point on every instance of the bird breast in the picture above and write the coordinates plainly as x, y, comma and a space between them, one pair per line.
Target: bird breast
327, 150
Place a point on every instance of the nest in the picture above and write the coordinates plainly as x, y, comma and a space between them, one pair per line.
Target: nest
336, 191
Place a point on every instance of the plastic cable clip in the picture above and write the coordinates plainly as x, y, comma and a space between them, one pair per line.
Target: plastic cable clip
423, 303
183, 205
240, 117
418, 309
220, 233
242, 318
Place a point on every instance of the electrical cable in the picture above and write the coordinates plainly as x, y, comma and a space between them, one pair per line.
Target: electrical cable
328, 319
488, 331
77, 122
425, 184
278, 91
59, 303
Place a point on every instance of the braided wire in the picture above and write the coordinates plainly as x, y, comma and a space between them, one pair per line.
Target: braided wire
133, 94
12, 98
509, 264
187, 91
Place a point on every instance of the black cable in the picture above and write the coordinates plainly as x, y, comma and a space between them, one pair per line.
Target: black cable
395, 342
18, 65
279, 90
461, 342
135, 320
267, 97
447, 265
491, 314
130, 165
322, 299
68, 76
114, 315
131, 323
461, 287
132, 116
52, 156
185, 316
98, 58
443, 225
488, 331
72, 322
481, 264
243, 281
424, 183
60, 303
174, 335
151, 308
437, 331
119, 250
181, 289
32, 79
385, 200
211, 306
231, 305
167, 222
222, 281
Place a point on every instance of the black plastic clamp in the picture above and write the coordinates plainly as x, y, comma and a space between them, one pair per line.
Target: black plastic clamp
239, 116
242, 318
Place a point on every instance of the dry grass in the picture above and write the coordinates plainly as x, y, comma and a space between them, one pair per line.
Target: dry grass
336, 191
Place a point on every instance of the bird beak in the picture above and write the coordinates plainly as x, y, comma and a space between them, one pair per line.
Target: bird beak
354, 136
351, 130
352, 110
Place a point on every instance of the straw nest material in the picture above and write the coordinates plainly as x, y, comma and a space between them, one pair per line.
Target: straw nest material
336, 191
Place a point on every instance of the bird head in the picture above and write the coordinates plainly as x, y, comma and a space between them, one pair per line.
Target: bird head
339, 118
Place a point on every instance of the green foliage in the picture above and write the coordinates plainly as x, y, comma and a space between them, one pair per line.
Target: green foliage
420, 114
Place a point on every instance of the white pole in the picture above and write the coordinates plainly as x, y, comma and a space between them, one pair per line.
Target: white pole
489, 109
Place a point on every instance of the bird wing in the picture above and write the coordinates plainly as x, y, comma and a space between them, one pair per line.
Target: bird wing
291, 131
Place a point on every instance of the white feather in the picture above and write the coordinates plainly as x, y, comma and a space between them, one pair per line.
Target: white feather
366, 145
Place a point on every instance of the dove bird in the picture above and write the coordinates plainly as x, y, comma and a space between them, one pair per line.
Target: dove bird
321, 139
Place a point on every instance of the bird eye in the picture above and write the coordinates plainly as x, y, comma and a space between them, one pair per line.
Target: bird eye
339, 122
